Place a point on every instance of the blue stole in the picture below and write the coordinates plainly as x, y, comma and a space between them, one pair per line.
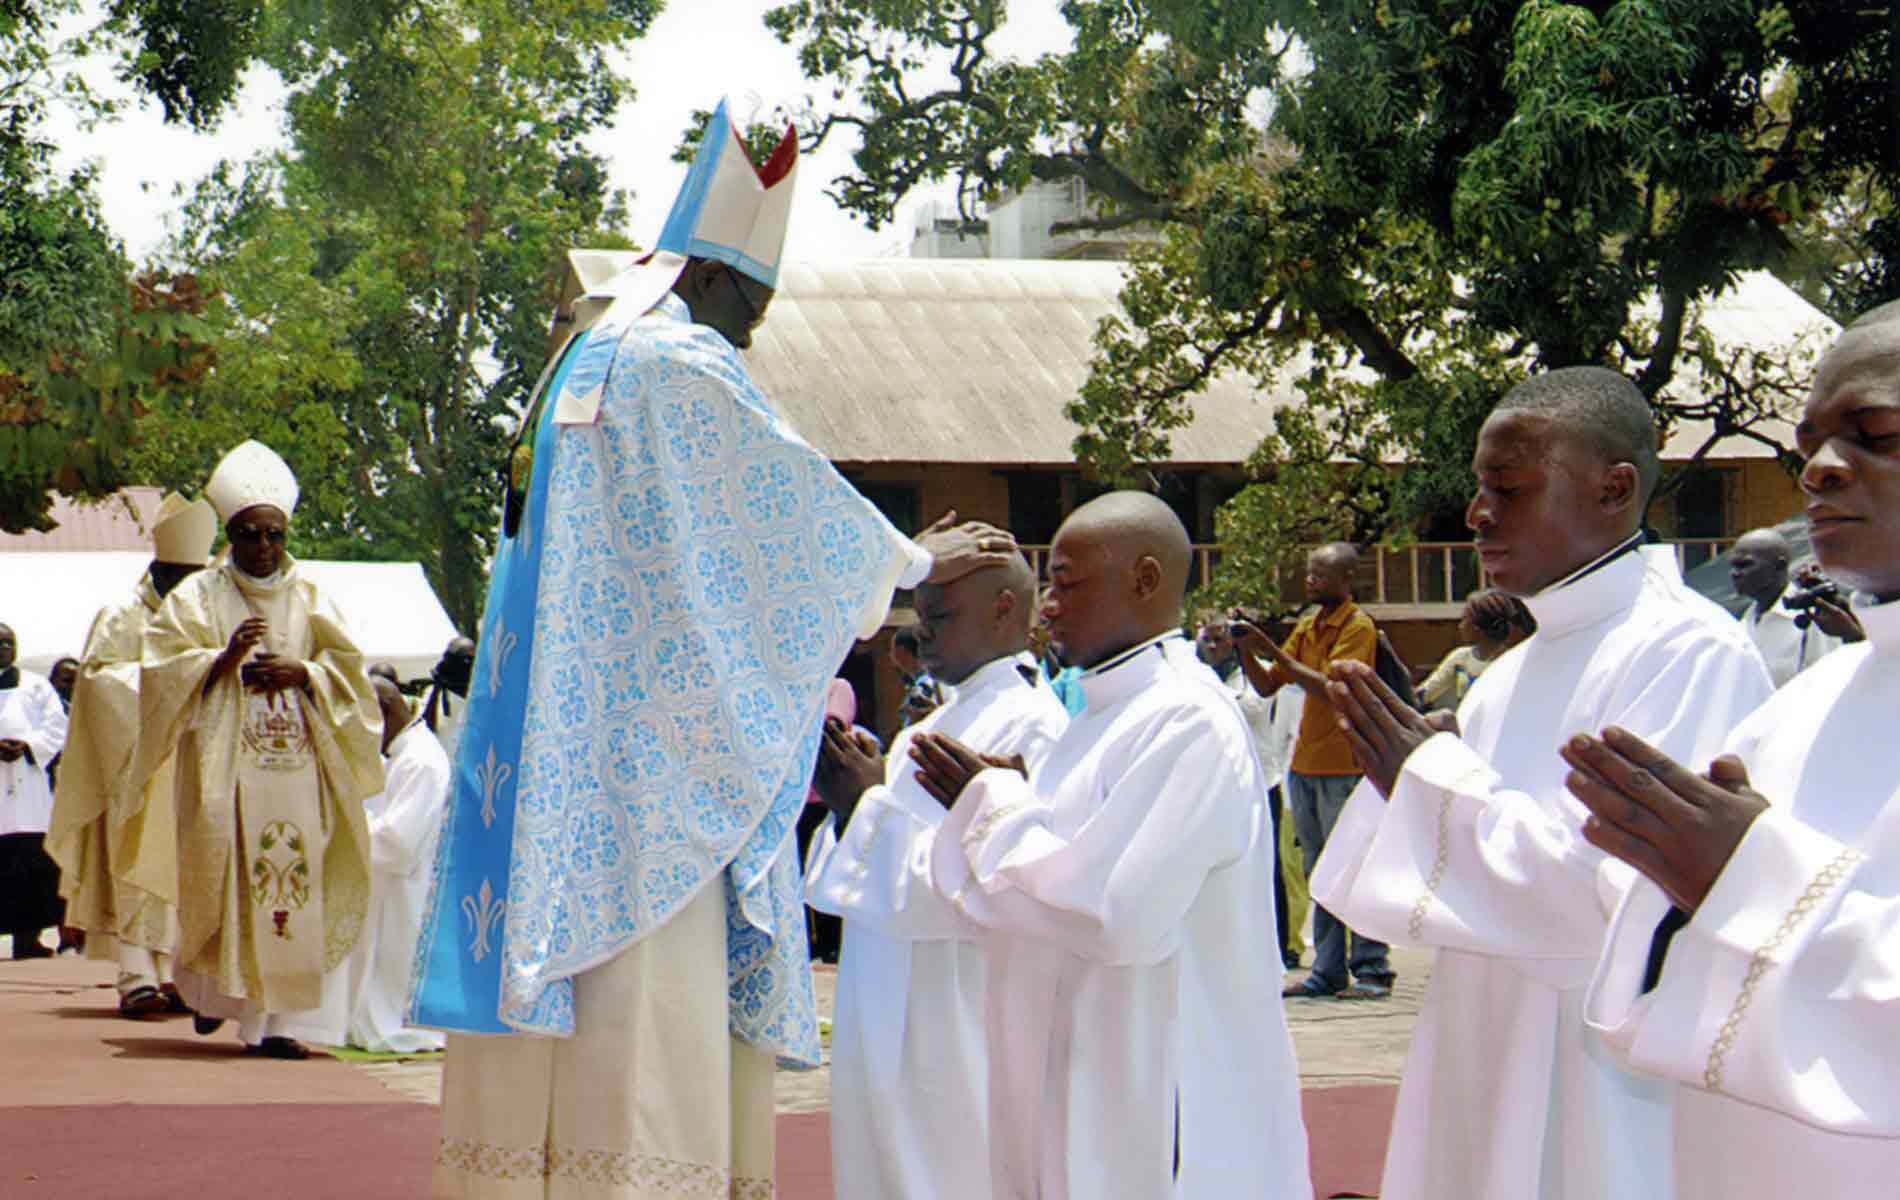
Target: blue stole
457, 977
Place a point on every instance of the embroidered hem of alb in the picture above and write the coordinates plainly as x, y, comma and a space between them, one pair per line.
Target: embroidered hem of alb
651, 1174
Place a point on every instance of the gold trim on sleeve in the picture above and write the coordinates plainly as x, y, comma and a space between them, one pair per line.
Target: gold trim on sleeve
1826, 881
1443, 854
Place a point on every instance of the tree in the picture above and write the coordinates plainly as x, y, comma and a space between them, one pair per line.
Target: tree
85, 346
1402, 206
388, 280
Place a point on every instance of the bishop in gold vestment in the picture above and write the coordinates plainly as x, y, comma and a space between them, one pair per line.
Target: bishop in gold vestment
91, 836
248, 671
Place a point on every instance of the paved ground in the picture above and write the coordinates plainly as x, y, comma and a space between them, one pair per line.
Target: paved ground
77, 1079
1339, 1043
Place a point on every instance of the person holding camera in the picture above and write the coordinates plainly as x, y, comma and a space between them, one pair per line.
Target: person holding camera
1795, 628
1322, 773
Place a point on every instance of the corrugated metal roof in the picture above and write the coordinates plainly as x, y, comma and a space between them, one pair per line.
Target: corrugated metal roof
972, 360
116, 523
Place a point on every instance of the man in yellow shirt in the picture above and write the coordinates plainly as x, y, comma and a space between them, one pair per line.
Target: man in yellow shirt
1322, 774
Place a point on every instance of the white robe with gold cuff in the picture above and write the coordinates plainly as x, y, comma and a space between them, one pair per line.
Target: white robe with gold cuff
1778, 1004
1480, 854
272, 882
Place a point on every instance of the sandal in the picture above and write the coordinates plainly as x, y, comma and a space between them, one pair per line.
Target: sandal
142, 1001
1309, 989
1367, 989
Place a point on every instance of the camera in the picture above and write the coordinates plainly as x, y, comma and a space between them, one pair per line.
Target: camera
1813, 590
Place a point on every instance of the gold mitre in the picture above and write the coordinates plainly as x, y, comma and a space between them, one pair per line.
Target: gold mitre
183, 530
250, 475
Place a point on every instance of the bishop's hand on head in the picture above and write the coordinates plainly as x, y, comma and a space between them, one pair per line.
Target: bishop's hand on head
945, 766
1675, 826
1382, 729
957, 550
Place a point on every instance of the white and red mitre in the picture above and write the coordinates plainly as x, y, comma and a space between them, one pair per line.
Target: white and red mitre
728, 211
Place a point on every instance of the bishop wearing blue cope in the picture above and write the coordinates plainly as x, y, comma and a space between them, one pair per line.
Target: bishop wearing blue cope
615, 940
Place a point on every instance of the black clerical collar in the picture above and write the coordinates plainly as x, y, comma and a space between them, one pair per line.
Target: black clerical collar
1628, 546
1156, 643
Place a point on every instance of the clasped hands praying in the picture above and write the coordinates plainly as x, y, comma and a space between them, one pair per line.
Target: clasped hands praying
1678, 828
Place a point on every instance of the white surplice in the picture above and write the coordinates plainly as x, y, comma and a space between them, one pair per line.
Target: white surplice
908, 1071
1505, 1095
1778, 1005
1133, 999
405, 820
30, 712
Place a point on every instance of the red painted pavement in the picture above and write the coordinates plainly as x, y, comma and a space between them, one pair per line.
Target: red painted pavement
95, 1107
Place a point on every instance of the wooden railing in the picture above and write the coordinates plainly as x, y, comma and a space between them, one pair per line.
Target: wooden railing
1424, 579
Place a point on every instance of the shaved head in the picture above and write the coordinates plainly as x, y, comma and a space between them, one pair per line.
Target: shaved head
1599, 411
974, 620
1118, 576
1758, 565
1134, 524
394, 706
1766, 542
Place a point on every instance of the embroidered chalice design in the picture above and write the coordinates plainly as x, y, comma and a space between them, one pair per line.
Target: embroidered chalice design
280, 875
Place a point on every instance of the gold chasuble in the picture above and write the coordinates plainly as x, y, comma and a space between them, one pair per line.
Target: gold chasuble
98, 830
272, 884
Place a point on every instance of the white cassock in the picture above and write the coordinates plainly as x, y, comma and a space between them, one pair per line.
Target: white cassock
908, 1073
1133, 1000
405, 820
1778, 1005
1505, 1095
30, 712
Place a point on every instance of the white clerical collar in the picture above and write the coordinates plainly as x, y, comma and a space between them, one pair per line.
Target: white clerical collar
1881, 621
1127, 672
994, 675
1603, 586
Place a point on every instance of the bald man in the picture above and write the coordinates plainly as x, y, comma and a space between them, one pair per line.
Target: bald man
909, 1070
1789, 642
1469, 843
1321, 773
1137, 1046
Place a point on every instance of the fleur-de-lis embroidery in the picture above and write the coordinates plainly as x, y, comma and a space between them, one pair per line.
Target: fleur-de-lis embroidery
483, 911
498, 661
492, 776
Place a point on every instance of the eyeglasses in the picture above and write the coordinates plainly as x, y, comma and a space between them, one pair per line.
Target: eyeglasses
251, 534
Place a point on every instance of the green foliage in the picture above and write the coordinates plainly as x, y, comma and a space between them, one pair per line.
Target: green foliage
1400, 206
388, 281
86, 348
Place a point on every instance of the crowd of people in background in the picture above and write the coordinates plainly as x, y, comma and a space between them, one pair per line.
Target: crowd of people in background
1658, 891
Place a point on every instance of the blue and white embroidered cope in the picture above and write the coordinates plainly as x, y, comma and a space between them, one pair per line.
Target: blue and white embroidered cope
649, 690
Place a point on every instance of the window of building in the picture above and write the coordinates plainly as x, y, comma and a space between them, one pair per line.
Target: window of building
901, 503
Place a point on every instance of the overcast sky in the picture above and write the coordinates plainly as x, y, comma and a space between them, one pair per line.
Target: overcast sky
696, 50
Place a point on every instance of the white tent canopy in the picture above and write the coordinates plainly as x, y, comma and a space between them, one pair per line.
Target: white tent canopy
49, 599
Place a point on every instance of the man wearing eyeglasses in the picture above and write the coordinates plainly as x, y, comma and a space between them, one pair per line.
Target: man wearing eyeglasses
248, 674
